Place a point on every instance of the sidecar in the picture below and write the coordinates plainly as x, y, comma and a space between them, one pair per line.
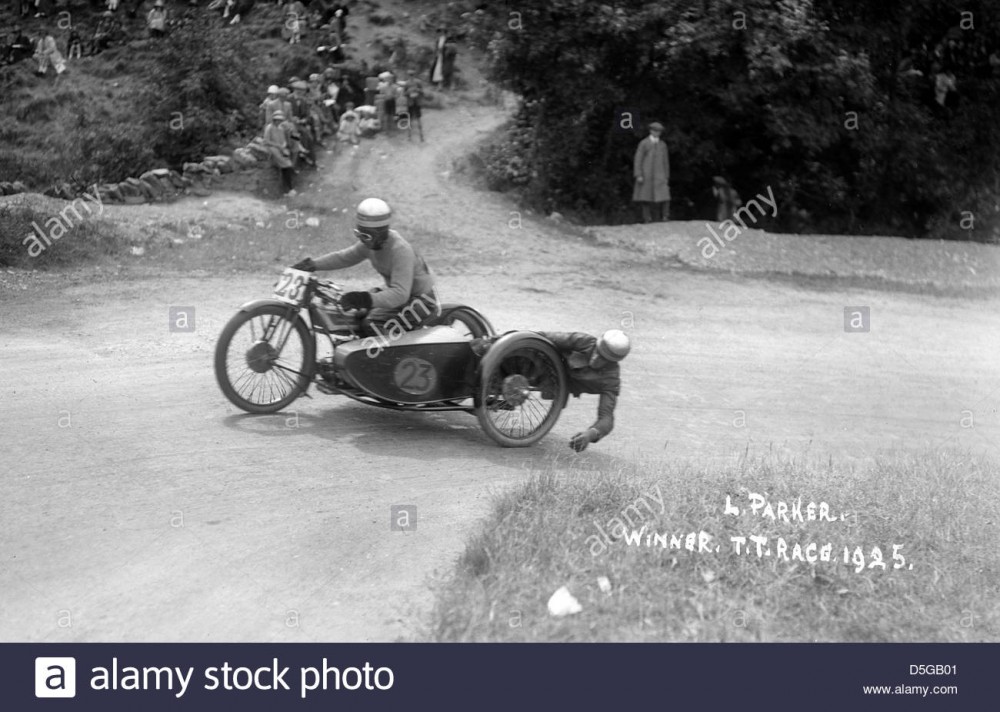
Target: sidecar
515, 384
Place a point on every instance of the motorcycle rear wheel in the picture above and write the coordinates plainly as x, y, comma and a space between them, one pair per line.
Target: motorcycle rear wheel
265, 358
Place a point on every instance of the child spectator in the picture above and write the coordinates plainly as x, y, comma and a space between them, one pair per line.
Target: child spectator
277, 140
349, 127
414, 98
74, 46
727, 200
47, 52
156, 20
271, 104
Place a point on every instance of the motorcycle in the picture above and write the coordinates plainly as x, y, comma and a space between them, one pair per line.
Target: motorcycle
266, 357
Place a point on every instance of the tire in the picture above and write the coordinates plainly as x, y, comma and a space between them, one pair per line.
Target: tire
245, 363
521, 389
468, 321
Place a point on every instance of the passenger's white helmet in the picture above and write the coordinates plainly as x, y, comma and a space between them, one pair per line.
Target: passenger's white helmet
613, 345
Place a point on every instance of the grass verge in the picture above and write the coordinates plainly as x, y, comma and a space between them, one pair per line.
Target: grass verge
64, 233
941, 507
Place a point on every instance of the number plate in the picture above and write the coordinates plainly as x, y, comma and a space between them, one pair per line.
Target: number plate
415, 375
291, 286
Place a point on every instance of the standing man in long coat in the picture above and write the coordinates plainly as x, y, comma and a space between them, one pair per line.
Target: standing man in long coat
652, 176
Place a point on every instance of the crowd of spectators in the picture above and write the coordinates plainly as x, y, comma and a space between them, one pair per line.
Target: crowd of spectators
80, 41
944, 70
298, 118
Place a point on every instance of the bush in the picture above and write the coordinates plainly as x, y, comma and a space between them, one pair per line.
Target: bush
203, 92
505, 157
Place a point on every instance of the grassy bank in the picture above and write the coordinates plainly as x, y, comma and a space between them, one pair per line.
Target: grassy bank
39, 233
941, 507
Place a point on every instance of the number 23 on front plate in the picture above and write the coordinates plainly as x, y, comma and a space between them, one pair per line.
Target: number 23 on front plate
291, 285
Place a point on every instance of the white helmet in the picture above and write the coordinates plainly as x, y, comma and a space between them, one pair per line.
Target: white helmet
373, 212
613, 345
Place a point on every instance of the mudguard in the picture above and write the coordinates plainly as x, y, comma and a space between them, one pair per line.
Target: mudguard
496, 352
448, 309
253, 304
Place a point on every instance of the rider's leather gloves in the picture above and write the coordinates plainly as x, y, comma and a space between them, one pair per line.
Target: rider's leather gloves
306, 265
356, 300
580, 441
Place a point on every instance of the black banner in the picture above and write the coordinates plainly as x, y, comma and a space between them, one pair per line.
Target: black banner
109, 676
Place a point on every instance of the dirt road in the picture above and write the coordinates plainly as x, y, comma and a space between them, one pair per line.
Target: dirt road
137, 505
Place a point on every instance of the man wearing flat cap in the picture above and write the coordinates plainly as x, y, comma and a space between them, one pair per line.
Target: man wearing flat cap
651, 171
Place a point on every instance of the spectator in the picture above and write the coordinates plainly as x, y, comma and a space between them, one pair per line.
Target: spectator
320, 117
286, 104
340, 13
270, 104
944, 82
386, 101
294, 140
47, 52
156, 20
414, 97
43, 8
277, 141
24, 7
113, 5
349, 126
448, 69
437, 69
346, 95
293, 28
651, 170
726, 199
333, 50
331, 89
295, 15
20, 48
74, 45
302, 116
239, 9
107, 31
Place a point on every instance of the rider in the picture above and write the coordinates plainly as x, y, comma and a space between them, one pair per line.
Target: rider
593, 367
409, 283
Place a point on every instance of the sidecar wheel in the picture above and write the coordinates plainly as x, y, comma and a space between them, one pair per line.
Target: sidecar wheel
265, 358
522, 389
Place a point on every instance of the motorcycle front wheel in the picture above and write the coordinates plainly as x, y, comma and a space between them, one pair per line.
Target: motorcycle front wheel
265, 358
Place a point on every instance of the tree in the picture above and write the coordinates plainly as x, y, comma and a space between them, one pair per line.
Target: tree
802, 96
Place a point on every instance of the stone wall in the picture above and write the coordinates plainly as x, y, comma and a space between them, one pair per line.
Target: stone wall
248, 169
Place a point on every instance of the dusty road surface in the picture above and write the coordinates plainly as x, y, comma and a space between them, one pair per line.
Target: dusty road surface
138, 505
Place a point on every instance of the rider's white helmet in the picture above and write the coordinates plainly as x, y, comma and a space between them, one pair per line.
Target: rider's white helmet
373, 212
613, 345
